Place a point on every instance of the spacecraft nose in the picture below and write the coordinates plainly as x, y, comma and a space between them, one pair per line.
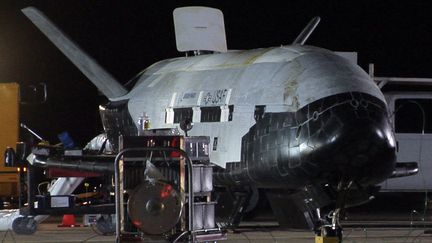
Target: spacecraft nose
358, 141
366, 151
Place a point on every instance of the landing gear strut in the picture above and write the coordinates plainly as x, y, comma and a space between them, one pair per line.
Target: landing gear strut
242, 200
333, 233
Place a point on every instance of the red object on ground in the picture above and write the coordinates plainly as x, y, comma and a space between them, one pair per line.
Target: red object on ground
68, 221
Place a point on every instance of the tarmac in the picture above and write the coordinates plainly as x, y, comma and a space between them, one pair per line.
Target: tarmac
378, 221
354, 232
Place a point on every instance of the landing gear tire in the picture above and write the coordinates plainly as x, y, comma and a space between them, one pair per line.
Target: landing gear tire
24, 226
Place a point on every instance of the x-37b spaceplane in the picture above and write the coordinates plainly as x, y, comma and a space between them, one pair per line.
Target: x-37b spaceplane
300, 126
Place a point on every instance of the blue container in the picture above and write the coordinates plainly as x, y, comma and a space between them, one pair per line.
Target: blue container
66, 140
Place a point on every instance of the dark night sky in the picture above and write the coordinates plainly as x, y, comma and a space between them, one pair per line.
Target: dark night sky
127, 37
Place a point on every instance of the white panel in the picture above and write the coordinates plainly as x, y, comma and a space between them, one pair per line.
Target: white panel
224, 113
199, 28
215, 97
189, 98
60, 202
169, 115
196, 111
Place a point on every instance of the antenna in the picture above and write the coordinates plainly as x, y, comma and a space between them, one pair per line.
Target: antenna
307, 31
199, 29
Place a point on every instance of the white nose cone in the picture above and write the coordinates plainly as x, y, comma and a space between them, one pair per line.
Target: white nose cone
199, 28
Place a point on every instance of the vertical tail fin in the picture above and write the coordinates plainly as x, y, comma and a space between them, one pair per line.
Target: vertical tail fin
110, 87
307, 31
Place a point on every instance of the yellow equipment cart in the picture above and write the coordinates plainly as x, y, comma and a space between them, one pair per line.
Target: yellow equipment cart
9, 129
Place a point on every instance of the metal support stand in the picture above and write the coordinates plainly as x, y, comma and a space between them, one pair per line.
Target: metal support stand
119, 193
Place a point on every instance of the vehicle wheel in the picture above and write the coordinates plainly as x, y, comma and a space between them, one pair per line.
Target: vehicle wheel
105, 225
24, 226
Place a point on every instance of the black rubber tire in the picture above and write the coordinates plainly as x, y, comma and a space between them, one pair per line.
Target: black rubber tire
24, 226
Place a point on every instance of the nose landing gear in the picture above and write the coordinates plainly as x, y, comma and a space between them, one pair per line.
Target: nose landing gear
332, 232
